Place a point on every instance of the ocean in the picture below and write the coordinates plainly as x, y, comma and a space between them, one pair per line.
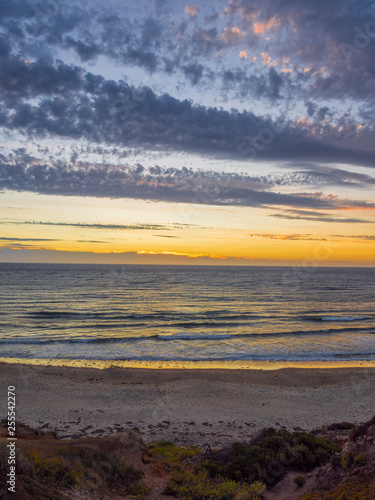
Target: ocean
186, 313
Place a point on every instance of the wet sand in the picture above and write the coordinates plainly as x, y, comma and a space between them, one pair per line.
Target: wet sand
200, 406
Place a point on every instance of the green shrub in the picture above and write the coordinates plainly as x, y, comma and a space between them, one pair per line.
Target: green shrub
347, 460
78, 467
270, 455
341, 426
97, 470
53, 471
198, 485
299, 480
172, 452
360, 460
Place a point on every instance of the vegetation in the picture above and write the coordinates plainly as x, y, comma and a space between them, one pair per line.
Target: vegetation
270, 455
347, 460
350, 459
360, 460
241, 471
299, 480
340, 426
48, 469
46, 473
361, 487
172, 456
198, 485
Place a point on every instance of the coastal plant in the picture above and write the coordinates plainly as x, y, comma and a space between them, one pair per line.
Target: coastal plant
350, 459
51, 470
299, 480
94, 469
171, 456
347, 460
198, 485
45, 472
270, 455
340, 426
360, 487
360, 460
361, 430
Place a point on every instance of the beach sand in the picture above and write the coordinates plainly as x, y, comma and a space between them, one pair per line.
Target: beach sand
200, 406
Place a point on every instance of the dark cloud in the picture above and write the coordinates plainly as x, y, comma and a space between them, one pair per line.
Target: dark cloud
132, 227
365, 237
314, 35
3, 238
164, 236
316, 217
320, 175
157, 184
79, 105
334, 35
43, 97
319, 37
85, 51
193, 72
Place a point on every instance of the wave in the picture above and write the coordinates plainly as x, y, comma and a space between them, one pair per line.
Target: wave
334, 318
198, 336
109, 340
155, 315
207, 324
187, 336
86, 315
270, 358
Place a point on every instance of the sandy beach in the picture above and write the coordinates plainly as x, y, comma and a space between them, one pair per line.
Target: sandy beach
185, 406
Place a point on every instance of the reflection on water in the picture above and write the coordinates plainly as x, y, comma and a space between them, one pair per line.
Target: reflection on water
170, 313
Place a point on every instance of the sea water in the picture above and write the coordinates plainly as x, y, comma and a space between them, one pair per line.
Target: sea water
186, 313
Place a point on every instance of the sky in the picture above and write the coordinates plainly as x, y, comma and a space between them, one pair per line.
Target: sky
228, 132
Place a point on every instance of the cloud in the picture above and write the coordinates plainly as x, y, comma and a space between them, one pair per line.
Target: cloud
76, 104
364, 237
193, 72
290, 237
232, 36
43, 97
316, 217
164, 236
3, 238
299, 32
123, 227
328, 176
23, 173
191, 11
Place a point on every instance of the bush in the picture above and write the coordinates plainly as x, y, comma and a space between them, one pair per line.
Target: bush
341, 426
52, 471
81, 467
360, 460
361, 430
171, 452
299, 480
270, 455
347, 460
198, 485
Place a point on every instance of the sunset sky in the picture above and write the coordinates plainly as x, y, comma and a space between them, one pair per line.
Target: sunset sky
231, 132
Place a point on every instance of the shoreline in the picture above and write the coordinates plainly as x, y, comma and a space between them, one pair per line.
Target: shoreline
187, 406
190, 365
